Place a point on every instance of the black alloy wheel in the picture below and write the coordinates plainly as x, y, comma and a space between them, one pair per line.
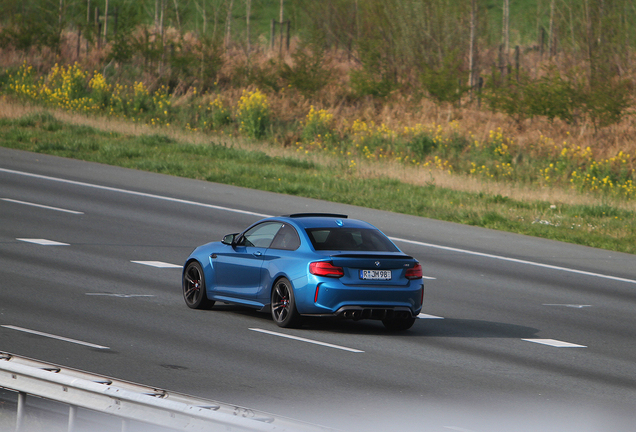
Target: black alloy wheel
283, 305
194, 287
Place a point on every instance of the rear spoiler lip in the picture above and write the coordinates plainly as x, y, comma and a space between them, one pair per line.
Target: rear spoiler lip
372, 256
327, 215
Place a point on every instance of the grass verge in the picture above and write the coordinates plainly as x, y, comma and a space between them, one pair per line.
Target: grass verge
601, 225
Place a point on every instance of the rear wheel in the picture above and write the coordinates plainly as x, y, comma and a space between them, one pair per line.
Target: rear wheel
194, 287
398, 324
283, 306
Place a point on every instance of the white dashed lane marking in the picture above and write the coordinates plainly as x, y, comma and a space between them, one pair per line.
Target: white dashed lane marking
43, 242
311, 341
119, 295
158, 264
426, 316
575, 306
554, 343
458, 429
52, 336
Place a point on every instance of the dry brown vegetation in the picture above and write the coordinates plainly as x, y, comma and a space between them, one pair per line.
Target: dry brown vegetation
369, 169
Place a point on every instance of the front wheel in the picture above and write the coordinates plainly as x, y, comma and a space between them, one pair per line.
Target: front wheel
398, 324
193, 285
283, 307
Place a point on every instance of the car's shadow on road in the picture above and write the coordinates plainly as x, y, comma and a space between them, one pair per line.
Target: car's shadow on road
447, 327
465, 328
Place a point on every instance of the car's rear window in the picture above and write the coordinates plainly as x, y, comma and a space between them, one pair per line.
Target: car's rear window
350, 239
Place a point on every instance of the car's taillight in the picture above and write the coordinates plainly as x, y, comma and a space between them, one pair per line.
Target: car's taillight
325, 268
415, 272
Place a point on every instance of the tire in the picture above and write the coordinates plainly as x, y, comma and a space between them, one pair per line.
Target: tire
398, 324
283, 305
193, 285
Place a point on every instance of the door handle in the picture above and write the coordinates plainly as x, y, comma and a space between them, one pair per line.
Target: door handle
257, 253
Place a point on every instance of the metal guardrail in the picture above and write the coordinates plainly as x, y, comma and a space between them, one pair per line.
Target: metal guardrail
130, 401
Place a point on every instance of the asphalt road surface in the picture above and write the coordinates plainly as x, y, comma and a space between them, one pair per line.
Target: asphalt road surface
517, 333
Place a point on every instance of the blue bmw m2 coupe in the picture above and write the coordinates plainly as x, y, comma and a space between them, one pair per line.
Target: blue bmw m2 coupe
308, 264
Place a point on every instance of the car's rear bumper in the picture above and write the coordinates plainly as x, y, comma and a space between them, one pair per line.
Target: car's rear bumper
375, 312
362, 302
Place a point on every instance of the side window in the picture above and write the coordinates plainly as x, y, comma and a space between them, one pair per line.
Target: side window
260, 235
286, 239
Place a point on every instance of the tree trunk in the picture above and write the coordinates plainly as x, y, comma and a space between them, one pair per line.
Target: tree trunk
506, 26
282, 16
551, 35
228, 24
161, 10
106, 22
156, 16
248, 7
60, 15
205, 19
176, 11
472, 59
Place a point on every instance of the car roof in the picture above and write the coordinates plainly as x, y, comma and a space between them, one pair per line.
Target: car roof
324, 220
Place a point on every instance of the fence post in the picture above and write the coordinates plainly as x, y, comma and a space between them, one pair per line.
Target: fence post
517, 59
480, 84
79, 41
280, 46
502, 64
272, 35
19, 419
72, 416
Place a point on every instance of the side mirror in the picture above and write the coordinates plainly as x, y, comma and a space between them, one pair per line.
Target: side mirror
229, 239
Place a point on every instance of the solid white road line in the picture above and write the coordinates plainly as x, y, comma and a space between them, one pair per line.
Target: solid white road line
158, 264
554, 343
130, 192
43, 242
515, 260
418, 243
42, 206
306, 340
35, 332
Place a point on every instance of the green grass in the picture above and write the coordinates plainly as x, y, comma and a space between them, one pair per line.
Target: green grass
603, 226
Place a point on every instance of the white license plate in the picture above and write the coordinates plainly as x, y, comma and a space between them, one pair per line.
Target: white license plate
375, 274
